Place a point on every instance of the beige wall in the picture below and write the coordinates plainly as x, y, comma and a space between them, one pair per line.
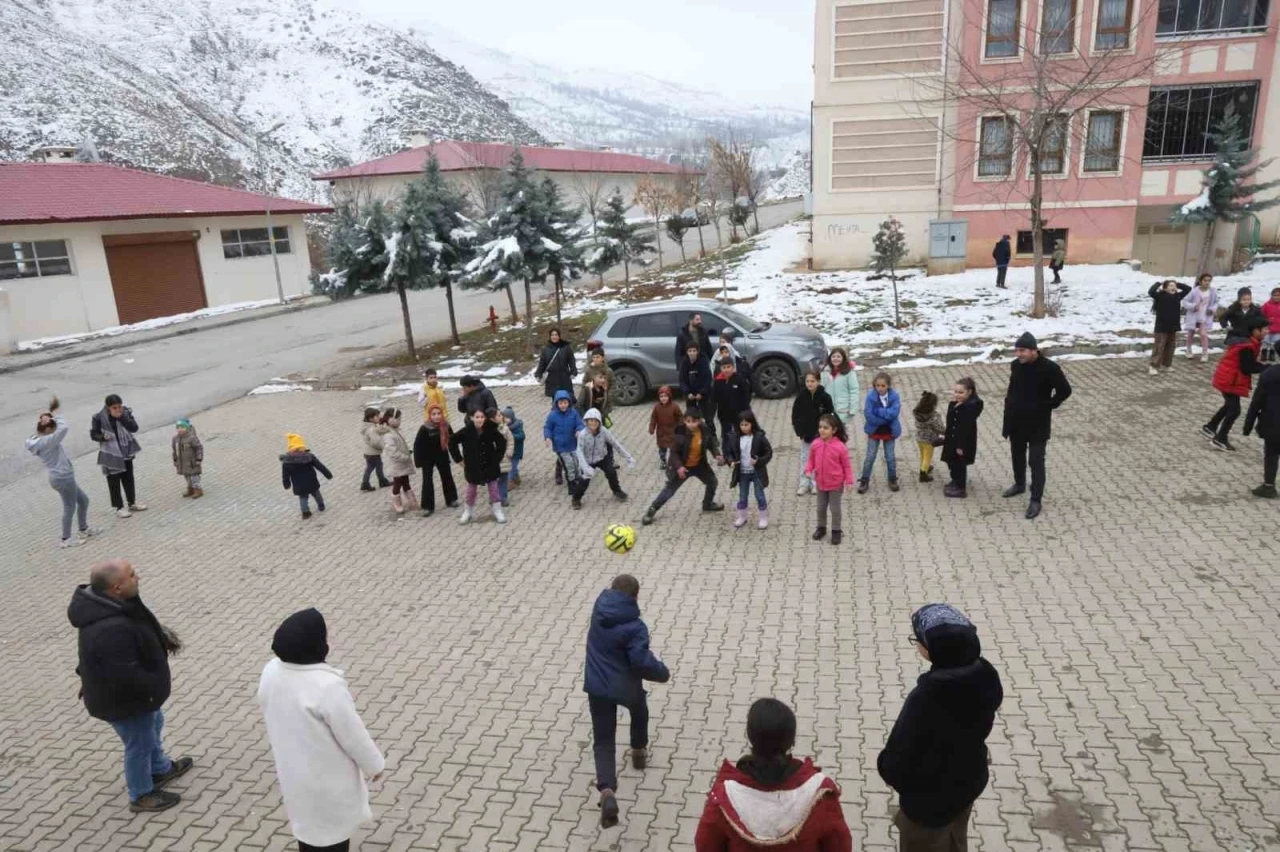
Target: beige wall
877, 144
84, 301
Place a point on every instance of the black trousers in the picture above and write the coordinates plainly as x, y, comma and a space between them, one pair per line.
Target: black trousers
124, 479
959, 473
372, 465
702, 472
1001, 271
1270, 460
1023, 449
1226, 417
604, 733
344, 846
1057, 279
610, 471
447, 485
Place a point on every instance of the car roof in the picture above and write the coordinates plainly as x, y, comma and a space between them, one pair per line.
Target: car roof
667, 305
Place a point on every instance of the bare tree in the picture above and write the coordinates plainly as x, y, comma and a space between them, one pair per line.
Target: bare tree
688, 194
1012, 123
732, 167
592, 193
655, 199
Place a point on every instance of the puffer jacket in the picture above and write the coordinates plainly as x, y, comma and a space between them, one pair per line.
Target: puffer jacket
298, 470
562, 427
482, 452
761, 448
618, 655
748, 809
663, 420
396, 458
1234, 373
882, 418
829, 464
372, 439
124, 661
188, 453
844, 393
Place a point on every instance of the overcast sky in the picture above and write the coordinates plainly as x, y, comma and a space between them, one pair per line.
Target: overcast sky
759, 51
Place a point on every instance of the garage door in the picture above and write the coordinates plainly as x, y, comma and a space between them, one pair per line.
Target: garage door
154, 275
1161, 248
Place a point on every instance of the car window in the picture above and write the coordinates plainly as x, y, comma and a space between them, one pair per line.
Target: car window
661, 324
714, 324
739, 319
623, 327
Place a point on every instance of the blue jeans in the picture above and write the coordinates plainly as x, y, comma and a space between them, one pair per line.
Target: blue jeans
805, 481
503, 485
143, 752
890, 458
517, 455
303, 501
746, 479
74, 502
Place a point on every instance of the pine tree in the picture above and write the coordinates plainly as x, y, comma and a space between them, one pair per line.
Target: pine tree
739, 215
890, 244
357, 252
1228, 187
677, 226
451, 234
625, 241
562, 229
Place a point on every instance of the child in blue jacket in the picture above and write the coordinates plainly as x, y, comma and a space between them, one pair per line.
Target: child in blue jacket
560, 432
880, 421
618, 663
516, 425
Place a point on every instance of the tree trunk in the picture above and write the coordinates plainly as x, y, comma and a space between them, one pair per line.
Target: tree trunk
897, 315
528, 314
682, 257
511, 300
408, 326
453, 318
657, 240
733, 232
702, 247
719, 235
1037, 238
559, 290
755, 214
1206, 253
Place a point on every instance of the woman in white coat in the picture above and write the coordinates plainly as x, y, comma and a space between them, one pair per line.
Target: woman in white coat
322, 751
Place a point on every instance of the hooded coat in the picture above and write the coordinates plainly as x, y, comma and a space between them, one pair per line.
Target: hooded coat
298, 468
479, 399
396, 458
124, 661
829, 464
800, 813
618, 655
664, 419
188, 452
562, 427
1035, 390
114, 437
557, 365
595, 447
482, 450
1002, 252
1264, 411
761, 448
960, 443
322, 751
806, 409
371, 438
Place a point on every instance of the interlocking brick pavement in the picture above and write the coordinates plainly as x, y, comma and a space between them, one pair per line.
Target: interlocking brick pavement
1132, 624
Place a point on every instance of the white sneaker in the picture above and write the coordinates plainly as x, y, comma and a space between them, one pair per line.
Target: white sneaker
124, 513
138, 507
465, 518
71, 542
88, 532
498, 514
1152, 371
802, 490
1204, 359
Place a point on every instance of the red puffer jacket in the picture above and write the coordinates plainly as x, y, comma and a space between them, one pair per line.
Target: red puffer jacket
800, 814
1233, 376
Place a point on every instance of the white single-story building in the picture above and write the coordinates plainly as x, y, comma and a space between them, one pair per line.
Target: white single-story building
474, 168
86, 246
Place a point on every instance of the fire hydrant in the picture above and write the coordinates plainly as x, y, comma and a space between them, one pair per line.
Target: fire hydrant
493, 319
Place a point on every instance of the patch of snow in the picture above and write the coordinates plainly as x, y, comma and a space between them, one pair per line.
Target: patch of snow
41, 343
1200, 202
269, 389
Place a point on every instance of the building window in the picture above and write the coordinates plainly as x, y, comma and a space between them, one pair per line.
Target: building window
995, 148
1179, 119
1049, 237
1182, 17
1053, 146
1113, 24
1102, 142
252, 242
1002, 28
1058, 29
38, 259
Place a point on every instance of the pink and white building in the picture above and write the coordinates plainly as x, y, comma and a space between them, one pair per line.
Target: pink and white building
901, 126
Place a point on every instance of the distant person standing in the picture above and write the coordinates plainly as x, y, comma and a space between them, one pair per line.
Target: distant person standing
1002, 254
1166, 304
1058, 260
1037, 386
124, 678
112, 429
46, 445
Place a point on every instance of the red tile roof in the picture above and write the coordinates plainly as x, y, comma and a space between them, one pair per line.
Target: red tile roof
85, 192
460, 156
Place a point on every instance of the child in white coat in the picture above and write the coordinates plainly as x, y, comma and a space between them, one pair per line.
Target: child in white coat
322, 751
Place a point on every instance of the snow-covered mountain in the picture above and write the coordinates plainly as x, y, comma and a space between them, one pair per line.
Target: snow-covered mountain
187, 87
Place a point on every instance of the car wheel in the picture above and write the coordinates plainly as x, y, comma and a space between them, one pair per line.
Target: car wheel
631, 386
775, 379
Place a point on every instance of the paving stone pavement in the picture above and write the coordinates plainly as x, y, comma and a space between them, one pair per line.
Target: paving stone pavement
1133, 625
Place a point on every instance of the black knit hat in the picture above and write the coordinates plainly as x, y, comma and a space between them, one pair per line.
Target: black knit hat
1026, 341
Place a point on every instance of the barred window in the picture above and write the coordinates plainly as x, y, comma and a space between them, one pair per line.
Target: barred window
253, 242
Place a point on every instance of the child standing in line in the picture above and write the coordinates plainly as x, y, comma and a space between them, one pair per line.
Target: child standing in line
495, 417
431, 453
431, 393
960, 447
560, 433
596, 446
831, 471
516, 425
880, 412
298, 469
749, 452
479, 448
372, 438
841, 383
1271, 310
398, 462
733, 396
663, 420
1200, 306
188, 457
929, 430
810, 404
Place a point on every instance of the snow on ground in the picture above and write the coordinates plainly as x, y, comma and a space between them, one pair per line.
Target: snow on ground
146, 325
261, 390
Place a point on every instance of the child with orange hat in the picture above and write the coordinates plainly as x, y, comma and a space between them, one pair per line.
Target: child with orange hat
298, 469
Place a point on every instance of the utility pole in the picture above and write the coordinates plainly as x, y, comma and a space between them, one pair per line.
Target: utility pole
271, 234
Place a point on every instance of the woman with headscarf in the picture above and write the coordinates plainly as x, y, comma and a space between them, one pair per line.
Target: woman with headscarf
936, 756
556, 364
323, 753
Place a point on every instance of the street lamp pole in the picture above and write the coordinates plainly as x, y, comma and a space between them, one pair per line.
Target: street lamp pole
271, 234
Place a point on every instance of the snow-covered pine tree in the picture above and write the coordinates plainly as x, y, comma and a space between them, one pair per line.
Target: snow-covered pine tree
562, 228
345, 238
677, 226
890, 248
412, 253
1228, 188
626, 242
451, 234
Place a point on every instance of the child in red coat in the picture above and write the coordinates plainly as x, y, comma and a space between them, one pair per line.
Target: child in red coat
831, 471
1234, 380
771, 800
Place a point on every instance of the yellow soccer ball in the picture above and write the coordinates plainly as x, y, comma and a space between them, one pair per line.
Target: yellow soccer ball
619, 538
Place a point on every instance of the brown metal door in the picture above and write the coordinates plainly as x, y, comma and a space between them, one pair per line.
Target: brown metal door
154, 275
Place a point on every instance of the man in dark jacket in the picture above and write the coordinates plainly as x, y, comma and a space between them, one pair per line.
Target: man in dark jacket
936, 756
1001, 255
475, 396
694, 333
618, 663
732, 393
124, 678
694, 447
1264, 414
1036, 387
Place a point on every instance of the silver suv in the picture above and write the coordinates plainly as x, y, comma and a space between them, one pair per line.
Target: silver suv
640, 344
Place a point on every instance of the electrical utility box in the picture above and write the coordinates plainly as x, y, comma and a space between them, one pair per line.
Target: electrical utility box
948, 245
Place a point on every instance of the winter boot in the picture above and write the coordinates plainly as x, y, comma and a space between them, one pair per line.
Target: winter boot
397, 503
639, 758
577, 502
649, 515
465, 518
620, 496
188, 492
740, 519
713, 507
820, 533
411, 500
364, 486
762, 519
608, 809
925, 477
1265, 491
893, 485
953, 490
837, 536
499, 514
197, 493
306, 516
863, 486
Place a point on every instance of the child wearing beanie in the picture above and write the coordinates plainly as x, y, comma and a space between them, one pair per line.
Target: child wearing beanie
298, 469
188, 457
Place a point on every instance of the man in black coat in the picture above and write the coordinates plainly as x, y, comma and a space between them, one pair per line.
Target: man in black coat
124, 678
1036, 387
1001, 254
1264, 413
694, 333
475, 396
936, 756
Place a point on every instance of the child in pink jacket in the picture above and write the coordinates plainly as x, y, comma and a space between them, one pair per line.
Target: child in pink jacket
831, 471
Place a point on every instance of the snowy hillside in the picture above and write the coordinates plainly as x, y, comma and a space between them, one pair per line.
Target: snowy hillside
185, 86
